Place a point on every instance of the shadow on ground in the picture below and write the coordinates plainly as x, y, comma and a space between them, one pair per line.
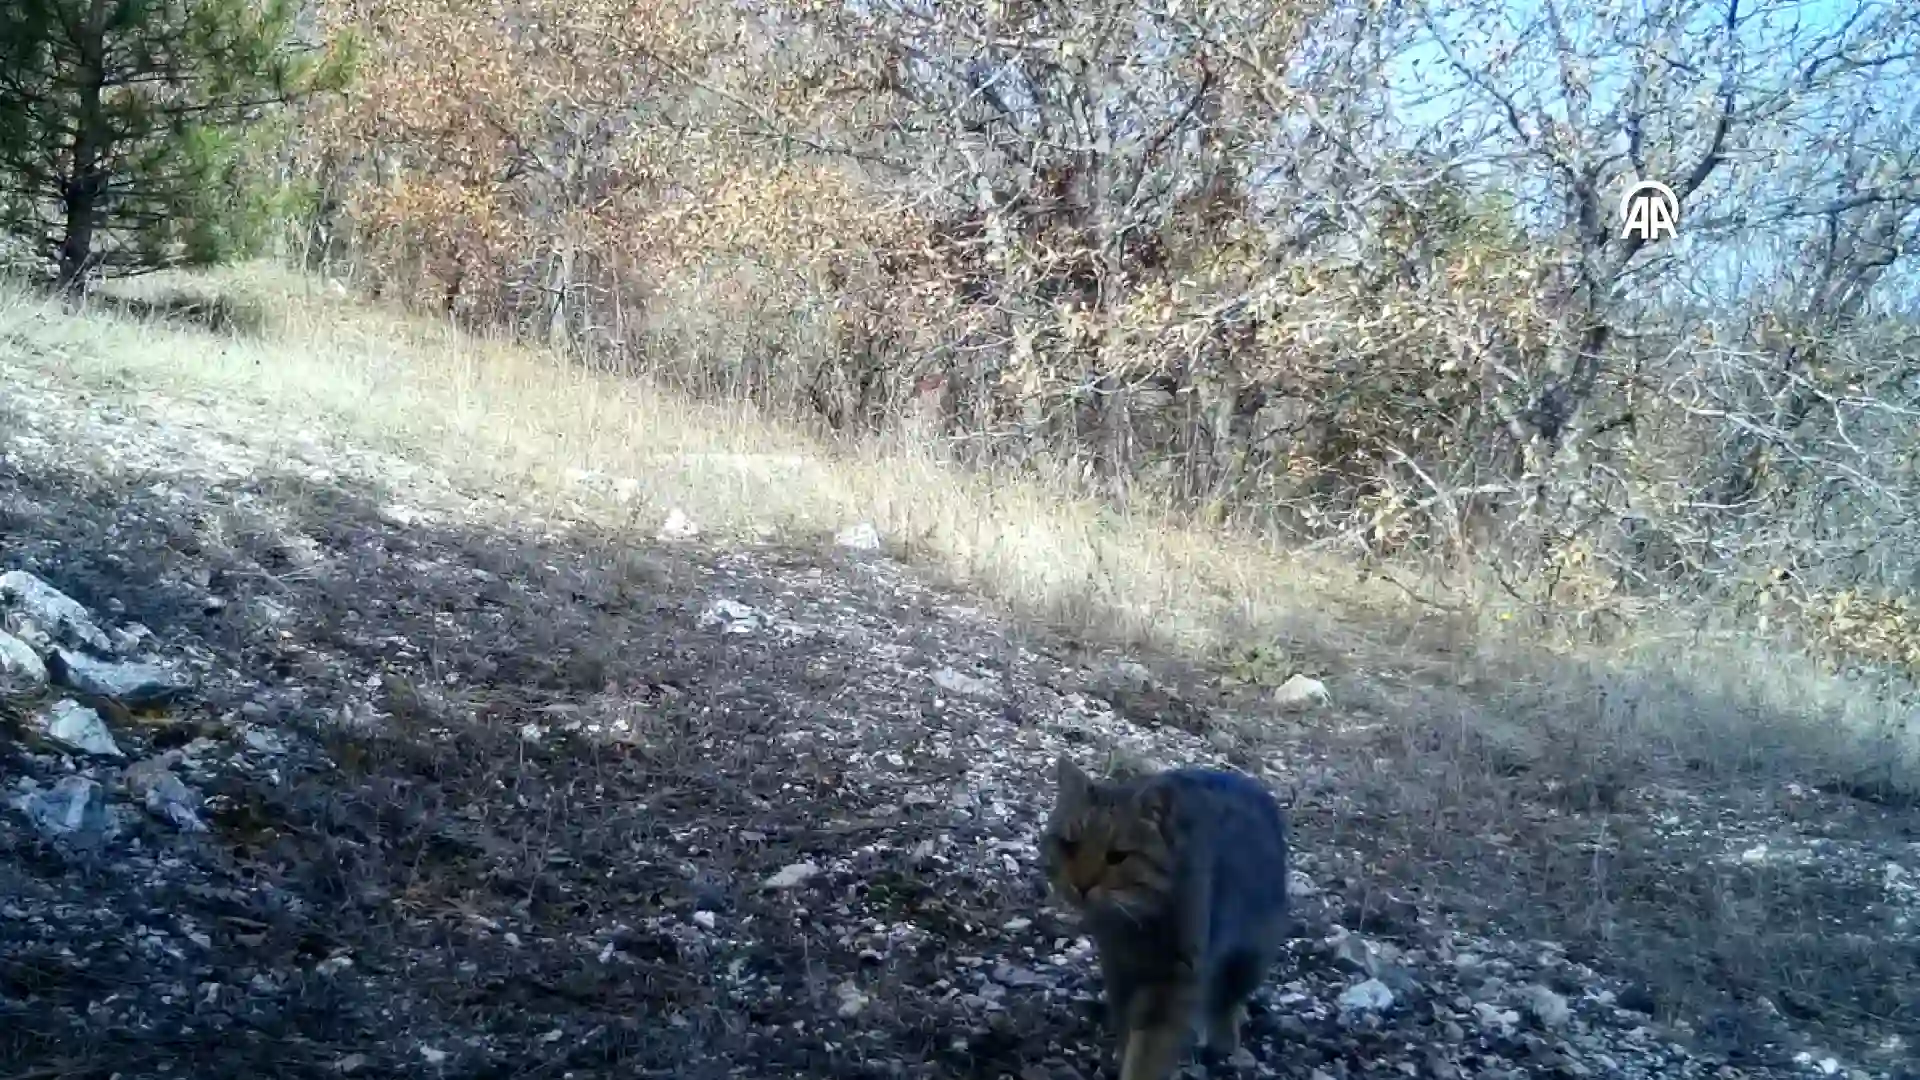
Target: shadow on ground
493, 804
526, 803
181, 308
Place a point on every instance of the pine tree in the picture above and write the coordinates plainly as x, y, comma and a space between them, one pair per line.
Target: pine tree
119, 124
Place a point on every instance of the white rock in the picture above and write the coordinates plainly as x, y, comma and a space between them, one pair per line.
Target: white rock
130, 639
678, 526
264, 741
1376, 958
72, 724
790, 876
59, 614
861, 537
852, 1001
21, 671
171, 800
1299, 885
733, 617
403, 516
1546, 1006
269, 612
136, 685
75, 804
1299, 692
1369, 996
954, 682
1493, 1017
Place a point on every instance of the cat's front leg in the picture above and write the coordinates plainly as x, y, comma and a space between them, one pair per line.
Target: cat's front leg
1159, 1028
1119, 987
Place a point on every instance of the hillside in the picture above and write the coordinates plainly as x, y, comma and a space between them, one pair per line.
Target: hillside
490, 767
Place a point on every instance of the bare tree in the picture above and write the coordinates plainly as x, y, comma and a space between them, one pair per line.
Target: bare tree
1584, 101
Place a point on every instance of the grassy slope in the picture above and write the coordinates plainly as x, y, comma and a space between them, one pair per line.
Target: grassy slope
1461, 702
519, 420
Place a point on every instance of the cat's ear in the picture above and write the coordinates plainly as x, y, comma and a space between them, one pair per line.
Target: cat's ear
1076, 788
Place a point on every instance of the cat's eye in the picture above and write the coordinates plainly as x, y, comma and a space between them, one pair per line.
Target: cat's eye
1115, 858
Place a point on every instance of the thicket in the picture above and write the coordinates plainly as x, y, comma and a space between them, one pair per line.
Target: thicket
124, 141
1348, 274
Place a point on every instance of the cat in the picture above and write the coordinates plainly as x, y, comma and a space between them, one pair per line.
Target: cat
1181, 880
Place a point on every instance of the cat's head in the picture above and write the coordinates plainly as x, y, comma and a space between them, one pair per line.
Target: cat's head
1105, 845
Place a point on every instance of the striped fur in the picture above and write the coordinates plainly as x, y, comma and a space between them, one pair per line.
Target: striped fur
1181, 880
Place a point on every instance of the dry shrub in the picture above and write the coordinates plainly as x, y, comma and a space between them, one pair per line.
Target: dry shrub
1235, 300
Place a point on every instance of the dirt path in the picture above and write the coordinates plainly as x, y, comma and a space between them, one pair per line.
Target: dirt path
497, 801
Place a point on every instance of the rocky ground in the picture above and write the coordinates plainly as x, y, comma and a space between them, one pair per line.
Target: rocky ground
313, 768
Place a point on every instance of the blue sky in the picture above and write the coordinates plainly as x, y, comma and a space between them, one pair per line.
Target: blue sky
1773, 166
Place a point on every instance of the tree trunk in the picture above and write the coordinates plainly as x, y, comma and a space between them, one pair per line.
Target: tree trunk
86, 178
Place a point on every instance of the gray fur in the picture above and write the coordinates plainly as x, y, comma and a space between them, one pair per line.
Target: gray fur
1191, 912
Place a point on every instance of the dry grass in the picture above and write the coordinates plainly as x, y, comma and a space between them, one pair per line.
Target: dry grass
295, 356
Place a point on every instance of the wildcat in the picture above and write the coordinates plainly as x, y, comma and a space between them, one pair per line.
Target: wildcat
1181, 879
